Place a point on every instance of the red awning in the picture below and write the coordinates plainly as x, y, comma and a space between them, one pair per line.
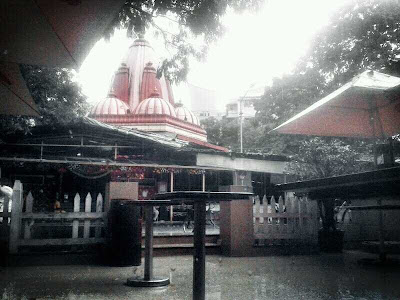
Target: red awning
367, 107
57, 33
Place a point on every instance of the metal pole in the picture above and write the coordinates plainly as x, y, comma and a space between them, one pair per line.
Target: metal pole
171, 208
382, 254
199, 257
148, 258
241, 126
148, 280
241, 115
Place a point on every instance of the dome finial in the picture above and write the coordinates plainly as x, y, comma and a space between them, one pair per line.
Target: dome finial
155, 93
111, 92
179, 104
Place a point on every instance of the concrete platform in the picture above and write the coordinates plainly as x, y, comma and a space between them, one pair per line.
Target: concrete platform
311, 277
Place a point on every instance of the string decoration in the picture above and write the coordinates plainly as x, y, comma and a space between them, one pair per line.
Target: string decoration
88, 172
128, 173
196, 171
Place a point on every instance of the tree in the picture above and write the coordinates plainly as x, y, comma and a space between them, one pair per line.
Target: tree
364, 34
224, 132
58, 98
187, 26
325, 157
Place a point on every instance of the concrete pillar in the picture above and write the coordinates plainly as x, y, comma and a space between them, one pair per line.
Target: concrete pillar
123, 190
236, 227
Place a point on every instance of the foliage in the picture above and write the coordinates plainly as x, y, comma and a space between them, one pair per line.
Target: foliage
187, 26
226, 132
319, 157
362, 35
9, 293
58, 97
223, 132
12, 124
289, 95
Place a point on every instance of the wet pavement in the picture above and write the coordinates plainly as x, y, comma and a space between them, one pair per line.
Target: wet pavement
324, 276
176, 229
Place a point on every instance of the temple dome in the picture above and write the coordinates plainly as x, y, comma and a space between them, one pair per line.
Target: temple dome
110, 106
187, 115
155, 106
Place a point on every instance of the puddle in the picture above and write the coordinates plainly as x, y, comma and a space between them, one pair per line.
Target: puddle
335, 276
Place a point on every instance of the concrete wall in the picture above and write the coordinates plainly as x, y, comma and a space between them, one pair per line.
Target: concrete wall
241, 164
123, 190
236, 227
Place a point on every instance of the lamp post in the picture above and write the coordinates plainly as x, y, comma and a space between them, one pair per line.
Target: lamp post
241, 115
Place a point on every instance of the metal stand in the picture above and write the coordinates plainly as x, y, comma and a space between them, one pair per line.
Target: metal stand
148, 280
382, 252
199, 256
199, 199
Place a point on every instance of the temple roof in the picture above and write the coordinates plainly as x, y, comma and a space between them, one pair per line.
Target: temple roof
110, 106
155, 106
187, 115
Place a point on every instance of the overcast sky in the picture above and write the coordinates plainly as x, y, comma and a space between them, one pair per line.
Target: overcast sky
256, 48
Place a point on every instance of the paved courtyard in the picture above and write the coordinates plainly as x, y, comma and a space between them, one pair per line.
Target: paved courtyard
325, 276
176, 229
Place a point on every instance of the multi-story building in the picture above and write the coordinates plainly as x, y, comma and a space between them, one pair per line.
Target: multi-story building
245, 104
203, 102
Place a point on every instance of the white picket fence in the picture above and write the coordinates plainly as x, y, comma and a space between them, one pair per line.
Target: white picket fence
5, 217
275, 221
285, 220
24, 222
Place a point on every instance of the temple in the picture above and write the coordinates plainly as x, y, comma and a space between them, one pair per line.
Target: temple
138, 99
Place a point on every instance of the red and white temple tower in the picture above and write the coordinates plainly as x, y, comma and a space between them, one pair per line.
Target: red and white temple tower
138, 99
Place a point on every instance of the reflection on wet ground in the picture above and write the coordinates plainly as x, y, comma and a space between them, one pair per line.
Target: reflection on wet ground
168, 229
325, 276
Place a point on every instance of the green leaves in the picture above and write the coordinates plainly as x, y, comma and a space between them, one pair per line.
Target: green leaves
363, 34
58, 97
224, 132
320, 157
